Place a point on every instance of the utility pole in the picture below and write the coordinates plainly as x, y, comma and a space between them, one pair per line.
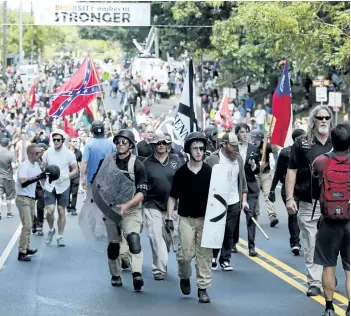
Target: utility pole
4, 39
157, 48
20, 34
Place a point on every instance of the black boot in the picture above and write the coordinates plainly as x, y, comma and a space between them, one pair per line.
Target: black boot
116, 281
185, 286
31, 251
138, 282
252, 252
23, 257
203, 296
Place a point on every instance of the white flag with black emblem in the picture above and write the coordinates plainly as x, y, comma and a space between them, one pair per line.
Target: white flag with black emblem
186, 119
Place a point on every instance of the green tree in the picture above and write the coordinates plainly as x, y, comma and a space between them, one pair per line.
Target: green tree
314, 35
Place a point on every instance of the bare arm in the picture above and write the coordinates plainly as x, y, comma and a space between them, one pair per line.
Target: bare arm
74, 171
83, 171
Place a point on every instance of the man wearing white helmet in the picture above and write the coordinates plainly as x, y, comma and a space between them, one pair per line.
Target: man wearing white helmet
58, 191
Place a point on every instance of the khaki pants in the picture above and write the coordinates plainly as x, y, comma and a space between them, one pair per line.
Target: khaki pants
160, 240
131, 223
190, 235
26, 209
264, 183
309, 230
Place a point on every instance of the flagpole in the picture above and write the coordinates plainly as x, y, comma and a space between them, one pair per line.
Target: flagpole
102, 95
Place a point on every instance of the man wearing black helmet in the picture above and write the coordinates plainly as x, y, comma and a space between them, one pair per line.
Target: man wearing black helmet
190, 186
264, 178
130, 225
211, 133
280, 175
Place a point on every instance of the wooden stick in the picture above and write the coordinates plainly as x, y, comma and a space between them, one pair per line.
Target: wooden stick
102, 97
260, 228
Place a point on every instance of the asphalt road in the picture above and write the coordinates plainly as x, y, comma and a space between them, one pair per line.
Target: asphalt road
75, 281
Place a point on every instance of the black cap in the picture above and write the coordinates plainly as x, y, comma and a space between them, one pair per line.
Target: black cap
4, 142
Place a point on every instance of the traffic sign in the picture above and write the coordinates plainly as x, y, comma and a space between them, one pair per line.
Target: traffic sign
321, 94
321, 83
335, 99
336, 108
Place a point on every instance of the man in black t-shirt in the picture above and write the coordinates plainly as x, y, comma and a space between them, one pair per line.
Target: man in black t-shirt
160, 169
144, 148
191, 185
299, 193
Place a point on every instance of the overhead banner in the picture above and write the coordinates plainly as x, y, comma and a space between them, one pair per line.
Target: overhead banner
93, 14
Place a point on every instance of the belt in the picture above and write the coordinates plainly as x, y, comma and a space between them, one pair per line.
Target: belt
25, 196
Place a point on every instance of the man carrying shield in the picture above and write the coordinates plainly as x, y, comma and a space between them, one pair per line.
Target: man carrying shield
130, 223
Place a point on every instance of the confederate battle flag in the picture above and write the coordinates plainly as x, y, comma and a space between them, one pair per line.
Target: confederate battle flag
77, 92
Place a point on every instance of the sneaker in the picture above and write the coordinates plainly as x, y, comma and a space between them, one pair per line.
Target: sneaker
116, 281
31, 252
252, 252
234, 249
74, 213
296, 250
60, 242
226, 266
274, 221
329, 312
9, 215
214, 264
50, 236
313, 291
159, 276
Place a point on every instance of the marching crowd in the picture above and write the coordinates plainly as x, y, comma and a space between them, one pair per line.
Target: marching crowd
171, 190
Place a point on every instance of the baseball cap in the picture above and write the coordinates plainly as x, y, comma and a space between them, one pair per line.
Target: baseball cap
230, 138
159, 138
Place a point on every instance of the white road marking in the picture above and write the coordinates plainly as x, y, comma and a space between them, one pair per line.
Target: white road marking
10, 246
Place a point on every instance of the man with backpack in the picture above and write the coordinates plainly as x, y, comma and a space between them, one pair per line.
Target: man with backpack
332, 170
299, 195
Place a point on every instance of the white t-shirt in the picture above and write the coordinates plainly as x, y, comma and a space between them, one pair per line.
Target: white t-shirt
260, 114
63, 158
27, 170
234, 192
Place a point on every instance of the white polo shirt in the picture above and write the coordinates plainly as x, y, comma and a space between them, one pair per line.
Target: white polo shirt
27, 170
63, 158
234, 192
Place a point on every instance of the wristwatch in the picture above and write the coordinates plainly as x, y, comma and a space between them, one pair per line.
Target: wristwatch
290, 198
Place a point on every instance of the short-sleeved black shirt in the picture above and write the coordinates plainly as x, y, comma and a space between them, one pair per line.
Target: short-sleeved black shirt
144, 149
301, 158
139, 173
192, 190
159, 180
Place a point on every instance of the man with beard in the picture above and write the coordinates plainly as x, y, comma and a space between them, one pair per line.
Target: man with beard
143, 147
190, 186
160, 169
228, 154
299, 187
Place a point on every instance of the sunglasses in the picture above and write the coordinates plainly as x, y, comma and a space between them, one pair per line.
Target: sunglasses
201, 148
321, 118
57, 140
121, 141
164, 143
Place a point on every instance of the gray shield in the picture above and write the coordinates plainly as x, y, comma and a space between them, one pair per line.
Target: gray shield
111, 188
